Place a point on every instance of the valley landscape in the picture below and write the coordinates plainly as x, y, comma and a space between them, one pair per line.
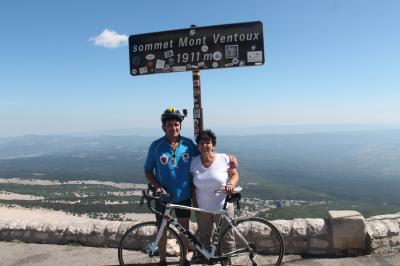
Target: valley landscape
284, 176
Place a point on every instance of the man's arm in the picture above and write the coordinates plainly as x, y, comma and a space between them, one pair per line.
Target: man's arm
233, 163
153, 181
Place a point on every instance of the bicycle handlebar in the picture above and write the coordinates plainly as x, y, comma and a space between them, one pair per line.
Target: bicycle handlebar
164, 197
222, 190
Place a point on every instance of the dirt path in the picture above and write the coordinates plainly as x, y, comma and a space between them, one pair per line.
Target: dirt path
60, 255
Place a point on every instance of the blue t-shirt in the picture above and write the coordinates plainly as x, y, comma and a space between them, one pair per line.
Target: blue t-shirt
172, 167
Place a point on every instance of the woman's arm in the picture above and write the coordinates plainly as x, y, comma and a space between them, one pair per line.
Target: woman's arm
233, 179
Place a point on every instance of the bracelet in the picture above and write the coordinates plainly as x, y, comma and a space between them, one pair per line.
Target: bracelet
229, 183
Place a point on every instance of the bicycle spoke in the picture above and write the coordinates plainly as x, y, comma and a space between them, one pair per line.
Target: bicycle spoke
137, 246
263, 243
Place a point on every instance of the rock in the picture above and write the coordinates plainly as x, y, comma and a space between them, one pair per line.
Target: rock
395, 241
38, 226
16, 225
96, 240
40, 236
172, 248
392, 226
111, 228
317, 251
98, 228
284, 226
16, 234
299, 228
376, 229
299, 244
61, 227
379, 243
123, 227
27, 234
266, 243
318, 243
316, 227
382, 251
386, 216
348, 230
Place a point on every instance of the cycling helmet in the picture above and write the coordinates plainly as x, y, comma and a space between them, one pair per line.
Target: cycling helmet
172, 114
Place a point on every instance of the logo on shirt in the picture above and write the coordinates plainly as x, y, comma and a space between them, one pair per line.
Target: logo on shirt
185, 157
163, 159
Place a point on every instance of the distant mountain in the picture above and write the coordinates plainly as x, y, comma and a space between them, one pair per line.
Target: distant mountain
358, 163
35, 146
370, 154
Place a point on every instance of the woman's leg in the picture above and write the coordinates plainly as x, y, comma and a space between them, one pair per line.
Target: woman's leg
205, 222
229, 241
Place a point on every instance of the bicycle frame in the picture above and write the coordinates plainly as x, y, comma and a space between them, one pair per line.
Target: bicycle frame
209, 255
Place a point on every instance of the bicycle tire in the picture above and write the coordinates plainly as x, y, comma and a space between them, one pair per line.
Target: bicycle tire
133, 245
264, 239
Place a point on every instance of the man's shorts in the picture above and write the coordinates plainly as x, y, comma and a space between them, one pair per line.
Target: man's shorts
179, 213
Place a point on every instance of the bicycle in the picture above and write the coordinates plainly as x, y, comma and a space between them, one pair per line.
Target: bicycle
257, 241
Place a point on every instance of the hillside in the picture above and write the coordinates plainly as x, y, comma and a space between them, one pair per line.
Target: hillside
344, 168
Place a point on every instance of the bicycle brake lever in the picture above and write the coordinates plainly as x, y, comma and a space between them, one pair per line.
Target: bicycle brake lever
142, 198
141, 201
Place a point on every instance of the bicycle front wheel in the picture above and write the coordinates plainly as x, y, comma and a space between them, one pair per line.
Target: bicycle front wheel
137, 246
262, 244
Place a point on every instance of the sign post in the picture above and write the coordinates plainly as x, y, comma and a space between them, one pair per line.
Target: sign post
197, 108
195, 49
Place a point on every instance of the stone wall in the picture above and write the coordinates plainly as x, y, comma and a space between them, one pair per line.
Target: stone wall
95, 233
306, 236
383, 233
343, 233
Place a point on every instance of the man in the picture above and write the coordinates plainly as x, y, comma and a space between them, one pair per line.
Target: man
167, 168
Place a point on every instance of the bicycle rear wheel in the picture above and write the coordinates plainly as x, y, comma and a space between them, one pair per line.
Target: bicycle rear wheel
265, 241
135, 246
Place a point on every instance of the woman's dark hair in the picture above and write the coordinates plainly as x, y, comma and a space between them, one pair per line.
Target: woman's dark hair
207, 135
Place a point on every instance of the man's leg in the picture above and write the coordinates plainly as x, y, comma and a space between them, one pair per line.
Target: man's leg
183, 217
185, 223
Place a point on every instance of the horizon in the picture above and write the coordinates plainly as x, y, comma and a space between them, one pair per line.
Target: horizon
225, 131
326, 63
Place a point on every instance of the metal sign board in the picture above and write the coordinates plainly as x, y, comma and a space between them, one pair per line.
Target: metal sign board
198, 48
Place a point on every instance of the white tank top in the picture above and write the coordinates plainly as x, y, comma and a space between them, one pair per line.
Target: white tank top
207, 180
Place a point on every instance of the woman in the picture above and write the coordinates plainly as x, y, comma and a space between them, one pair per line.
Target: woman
211, 171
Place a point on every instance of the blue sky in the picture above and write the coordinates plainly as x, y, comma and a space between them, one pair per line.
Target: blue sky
327, 63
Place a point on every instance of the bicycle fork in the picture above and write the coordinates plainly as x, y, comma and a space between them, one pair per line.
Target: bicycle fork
152, 248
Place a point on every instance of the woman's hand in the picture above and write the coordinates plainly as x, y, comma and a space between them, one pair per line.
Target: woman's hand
229, 188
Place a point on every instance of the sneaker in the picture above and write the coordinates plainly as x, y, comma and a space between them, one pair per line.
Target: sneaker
162, 263
226, 262
197, 258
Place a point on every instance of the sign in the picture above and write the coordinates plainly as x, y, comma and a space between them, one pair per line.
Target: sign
198, 48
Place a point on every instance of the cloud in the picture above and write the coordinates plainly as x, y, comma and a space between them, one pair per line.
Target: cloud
110, 39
